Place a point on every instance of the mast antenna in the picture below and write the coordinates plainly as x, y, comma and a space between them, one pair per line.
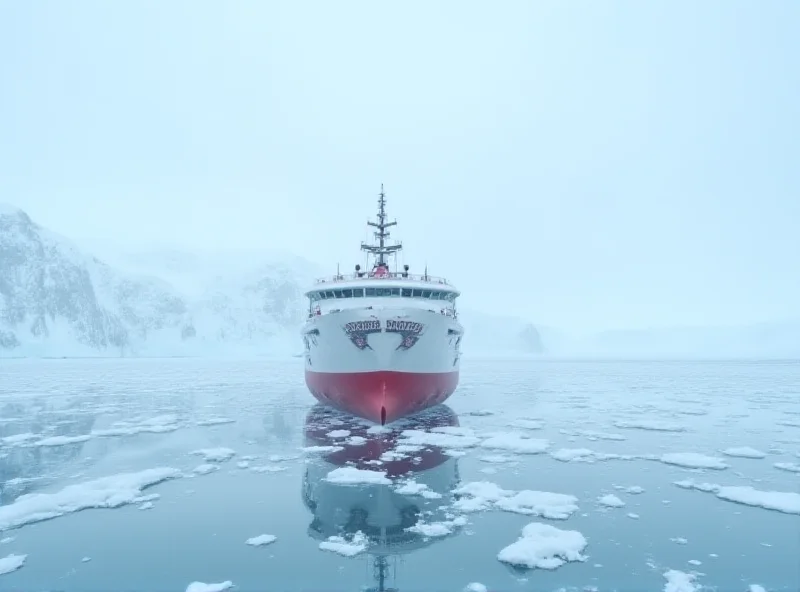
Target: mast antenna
382, 249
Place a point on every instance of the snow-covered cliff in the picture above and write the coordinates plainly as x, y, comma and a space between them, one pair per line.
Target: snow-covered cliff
56, 300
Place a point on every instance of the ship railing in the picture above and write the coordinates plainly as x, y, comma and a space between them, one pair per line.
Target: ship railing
395, 275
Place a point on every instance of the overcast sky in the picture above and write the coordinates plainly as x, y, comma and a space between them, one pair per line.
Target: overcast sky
586, 165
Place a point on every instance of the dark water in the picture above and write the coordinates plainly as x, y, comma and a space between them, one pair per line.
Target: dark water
136, 415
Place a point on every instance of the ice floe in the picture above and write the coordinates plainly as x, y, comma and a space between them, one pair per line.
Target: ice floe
679, 581
106, 492
202, 587
693, 460
592, 435
414, 488
11, 563
213, 421
475, 587
652, 425
205, 469
482, 495
779, 501
62, 440
338, 433
516, 443
261, 540
268, 469
354, 476
543, 546
437, 529
348, 548
789, 467
610, 501
438, 439
214, 454
744, 452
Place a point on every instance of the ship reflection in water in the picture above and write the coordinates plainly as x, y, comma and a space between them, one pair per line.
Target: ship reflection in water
385, 517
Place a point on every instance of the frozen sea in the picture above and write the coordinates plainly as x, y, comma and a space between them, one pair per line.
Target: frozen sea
163, 475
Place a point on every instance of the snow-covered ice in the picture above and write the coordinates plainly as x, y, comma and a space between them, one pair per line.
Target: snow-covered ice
261, 540
11, 563
544, 546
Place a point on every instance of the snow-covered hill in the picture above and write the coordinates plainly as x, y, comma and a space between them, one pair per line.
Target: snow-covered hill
56, 300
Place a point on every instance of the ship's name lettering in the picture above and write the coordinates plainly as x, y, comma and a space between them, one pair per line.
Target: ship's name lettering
362, 326
403, 326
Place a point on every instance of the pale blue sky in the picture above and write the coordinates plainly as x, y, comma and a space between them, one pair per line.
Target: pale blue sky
587, 165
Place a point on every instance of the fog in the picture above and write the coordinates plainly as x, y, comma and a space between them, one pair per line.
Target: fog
624, 165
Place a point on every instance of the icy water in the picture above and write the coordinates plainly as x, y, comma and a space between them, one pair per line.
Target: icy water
151, 475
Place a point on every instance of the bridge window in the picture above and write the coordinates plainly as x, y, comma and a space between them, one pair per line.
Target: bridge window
337, 294
358, 292
370, 291
407, 292
347, 293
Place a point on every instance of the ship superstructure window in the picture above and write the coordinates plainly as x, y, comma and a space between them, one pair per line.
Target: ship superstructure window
383, 293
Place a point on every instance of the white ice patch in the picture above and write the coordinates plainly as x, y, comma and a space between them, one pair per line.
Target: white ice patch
322, 449
214, 454
632, 516
267, 469
679, 540
336, 544
633, 489
437, 529
756, 588
354, 476
498, 459
481, 495
516, 443
356, 441
573, 455
6, 540
528, 424
338, 433
243, 464
744, 452
693, 460
610, 501
62, 440
790, 467
592, 435
18, 438
205, 469
475, 587
11, 563
544, 547
202, 587
261, 540
779, 501
106, 492
213, 421
678, 581
438, 439
147, 506
414, 488
652, 425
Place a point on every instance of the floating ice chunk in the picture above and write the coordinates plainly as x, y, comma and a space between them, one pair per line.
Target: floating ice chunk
654, 425
544, 547
62, 440
106, 492
243, 464
480, 413
336, 544
356, 440
695, 562
610, 501
17, 438
201, 587
147, 506
528, 424
756, 588
283, 457
11, 563
498, 458
679, 581
573, 455
205, 469
86, 560
414, 488
338, 433
434, 529
214, 454
481, 495
592, 435
261, 540
693, 460
322, 449
634, 489
744, 452
6, 540
442, 440
475, 587
679, 540
354, 476
790, 467
267, 469
376, 429
632, 515
454, 431
555, 506
249, 457
516, 443
212, 421
779, 501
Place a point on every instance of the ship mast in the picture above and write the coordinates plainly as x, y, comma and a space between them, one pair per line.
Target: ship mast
381, 250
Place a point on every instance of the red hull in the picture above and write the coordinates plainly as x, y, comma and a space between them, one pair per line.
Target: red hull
382, 396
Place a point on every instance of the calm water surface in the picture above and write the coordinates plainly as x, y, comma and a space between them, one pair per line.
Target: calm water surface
236, 436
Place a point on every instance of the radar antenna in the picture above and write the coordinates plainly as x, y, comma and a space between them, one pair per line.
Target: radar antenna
381, 250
